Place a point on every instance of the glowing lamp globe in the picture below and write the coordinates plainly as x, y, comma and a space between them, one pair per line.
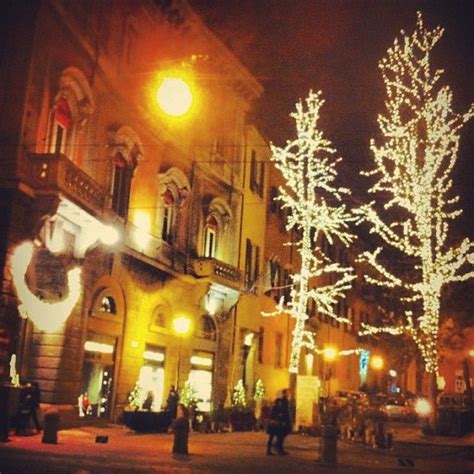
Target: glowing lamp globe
377, 362
109, 235
329, 353
423, 407
182, 325
174, 96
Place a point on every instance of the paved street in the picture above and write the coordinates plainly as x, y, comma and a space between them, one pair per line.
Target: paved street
77, 453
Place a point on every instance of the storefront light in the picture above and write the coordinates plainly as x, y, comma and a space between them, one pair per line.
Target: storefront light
154, 356
93, 346
248, 339
204, 361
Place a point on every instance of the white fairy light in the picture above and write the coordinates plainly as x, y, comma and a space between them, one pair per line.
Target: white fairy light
413, 166
46, 315
309, 169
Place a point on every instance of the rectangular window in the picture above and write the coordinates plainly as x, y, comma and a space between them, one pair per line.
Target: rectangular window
253, 171
278, 349
286, 285
260, 346
168, 224
248, 264
256, 266
272, 202
210, 242
121, 190
261, 178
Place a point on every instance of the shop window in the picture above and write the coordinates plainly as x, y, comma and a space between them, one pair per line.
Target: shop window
200, 378
97, 376
151, 377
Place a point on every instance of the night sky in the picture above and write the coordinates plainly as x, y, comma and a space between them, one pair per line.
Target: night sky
292, 46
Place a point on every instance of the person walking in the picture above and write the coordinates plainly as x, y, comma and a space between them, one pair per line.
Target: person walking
277, 427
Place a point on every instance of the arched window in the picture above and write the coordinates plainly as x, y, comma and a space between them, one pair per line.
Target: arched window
72, 106
206, 329
216, 223
173, 188
108, 305
160, 317
127, 150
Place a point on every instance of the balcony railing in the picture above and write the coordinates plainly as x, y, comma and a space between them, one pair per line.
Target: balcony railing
218, 272
155, 249
54, 173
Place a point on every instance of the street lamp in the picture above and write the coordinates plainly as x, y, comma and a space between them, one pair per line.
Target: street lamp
377, 363
181, 326
329, 356
174, 96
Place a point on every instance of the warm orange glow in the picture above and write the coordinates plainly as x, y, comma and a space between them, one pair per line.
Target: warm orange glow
174, 96
182, 325
376, 362
329, 354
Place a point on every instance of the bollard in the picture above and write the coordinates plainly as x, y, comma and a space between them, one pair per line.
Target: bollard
51, 425
329, 444
181, 435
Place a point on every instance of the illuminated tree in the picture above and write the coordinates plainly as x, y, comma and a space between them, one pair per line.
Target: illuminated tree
314, 201
413, 164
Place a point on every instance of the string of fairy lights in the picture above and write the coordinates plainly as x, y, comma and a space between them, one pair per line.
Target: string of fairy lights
421, 135
308, 167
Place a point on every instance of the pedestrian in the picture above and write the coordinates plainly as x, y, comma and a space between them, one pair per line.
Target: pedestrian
148, 402
180, 429
277, 427
172, 402
35, 405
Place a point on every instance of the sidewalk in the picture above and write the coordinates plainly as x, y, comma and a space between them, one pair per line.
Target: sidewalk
411, 433
127, 452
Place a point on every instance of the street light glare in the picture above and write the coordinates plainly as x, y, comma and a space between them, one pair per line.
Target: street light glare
329, 353
377, 362
182, 325
174, 96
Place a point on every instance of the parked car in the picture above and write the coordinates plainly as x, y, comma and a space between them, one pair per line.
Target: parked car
399, 408
350, 396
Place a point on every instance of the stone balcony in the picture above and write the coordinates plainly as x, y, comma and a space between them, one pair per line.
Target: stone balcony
52, 174
218, 272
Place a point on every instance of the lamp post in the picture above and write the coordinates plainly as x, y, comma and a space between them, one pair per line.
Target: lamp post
329, 356
181, 326
377, 364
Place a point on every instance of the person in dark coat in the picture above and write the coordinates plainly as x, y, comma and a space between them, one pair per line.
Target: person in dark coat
172, 402
35, 405
180, 429
278, 427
